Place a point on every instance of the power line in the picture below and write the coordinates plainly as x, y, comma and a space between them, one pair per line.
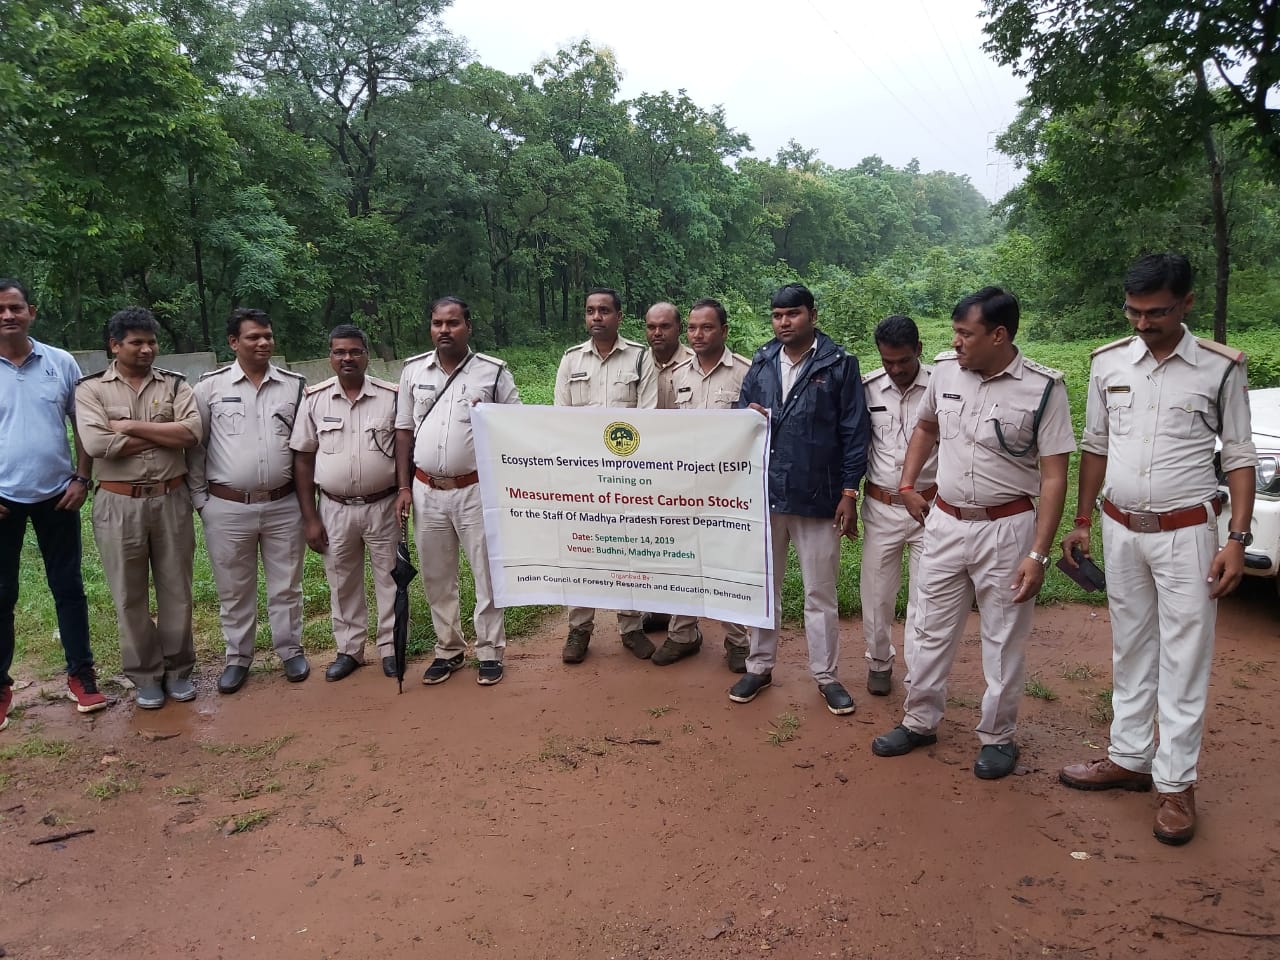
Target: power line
963, 88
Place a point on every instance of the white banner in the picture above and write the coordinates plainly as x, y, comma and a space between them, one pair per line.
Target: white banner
663, 511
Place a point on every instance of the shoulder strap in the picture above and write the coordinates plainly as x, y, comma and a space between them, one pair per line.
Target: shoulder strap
1035, 424
443, 390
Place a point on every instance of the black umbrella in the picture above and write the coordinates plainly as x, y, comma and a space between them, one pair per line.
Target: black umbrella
402, 573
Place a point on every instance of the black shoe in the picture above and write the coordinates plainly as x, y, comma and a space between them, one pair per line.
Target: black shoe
490, 672
672, 650
745, 690
995, 760
441, 669
736, 658
641, 646
900, 740
653, 622
838, 700
233, 678
879, 682
389, 666
575, 648
341, 668
296, 668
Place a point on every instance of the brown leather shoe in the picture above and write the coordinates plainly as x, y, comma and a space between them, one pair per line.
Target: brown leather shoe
1103, 774
1176, 817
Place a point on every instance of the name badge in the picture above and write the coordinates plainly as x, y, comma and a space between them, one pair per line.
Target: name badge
332, 419
580, 375
231, 400
951, 396
1119, 388
680, 390
425, 387
878, 409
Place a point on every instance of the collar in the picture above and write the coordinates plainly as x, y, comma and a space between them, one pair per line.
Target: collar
366, 389
683, 353
1186, 348
619, 346
238, 374
812, 351
433, 360
33, 351
112, 373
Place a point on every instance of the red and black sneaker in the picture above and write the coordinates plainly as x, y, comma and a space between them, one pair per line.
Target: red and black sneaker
6, 701
83, 689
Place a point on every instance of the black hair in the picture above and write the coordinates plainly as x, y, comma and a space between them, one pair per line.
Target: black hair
1160, 271
713, 304
242, 315
131, 318
897, 331
348, 331
450, 299
792, 295
608, 292
997, 308
8, 283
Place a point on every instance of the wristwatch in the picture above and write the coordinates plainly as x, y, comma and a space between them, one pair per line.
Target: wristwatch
1244, 539
76, 478
1039, 558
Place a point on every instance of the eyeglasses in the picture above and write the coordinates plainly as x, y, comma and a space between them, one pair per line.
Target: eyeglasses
355, 354
1155, 313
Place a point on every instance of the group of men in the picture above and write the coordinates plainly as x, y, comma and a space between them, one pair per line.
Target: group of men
962, 464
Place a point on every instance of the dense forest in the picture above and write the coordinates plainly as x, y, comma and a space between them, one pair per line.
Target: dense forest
334, 160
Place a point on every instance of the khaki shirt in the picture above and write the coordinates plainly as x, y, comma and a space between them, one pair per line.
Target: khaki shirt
717, 390
1162, 418
625, 378
443, 444
354, 442
893, 418
246, 430
665, 372
165, 398
974, 470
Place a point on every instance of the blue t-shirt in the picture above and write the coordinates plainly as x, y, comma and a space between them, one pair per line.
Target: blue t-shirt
36, 401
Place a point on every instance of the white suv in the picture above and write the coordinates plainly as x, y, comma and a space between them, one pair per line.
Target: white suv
1262, 557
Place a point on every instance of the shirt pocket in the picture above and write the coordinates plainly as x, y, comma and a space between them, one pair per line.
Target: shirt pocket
624, 389
1192, 416
227, 419
1119, 412
883, 425
282, 417
724, 399
118, 411
424, 398
162, 412
1013, 427
380, 437
329, 435
580, 389
949, 413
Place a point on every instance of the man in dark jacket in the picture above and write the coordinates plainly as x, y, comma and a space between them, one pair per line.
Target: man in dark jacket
811, 389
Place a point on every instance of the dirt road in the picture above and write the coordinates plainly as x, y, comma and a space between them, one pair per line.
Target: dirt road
618, 809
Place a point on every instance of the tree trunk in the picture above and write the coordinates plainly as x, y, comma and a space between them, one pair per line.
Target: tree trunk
1221, 231
198, 254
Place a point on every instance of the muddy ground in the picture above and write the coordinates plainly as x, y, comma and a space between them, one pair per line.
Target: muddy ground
620, 810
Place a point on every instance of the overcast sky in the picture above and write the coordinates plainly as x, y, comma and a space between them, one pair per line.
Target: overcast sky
902, 79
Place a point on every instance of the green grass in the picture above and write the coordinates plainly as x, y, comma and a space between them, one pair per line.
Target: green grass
1036, 687
249, 751
662, 711
782, 729
1100, 710
251, 820
110, 787
1079, 671
34, 747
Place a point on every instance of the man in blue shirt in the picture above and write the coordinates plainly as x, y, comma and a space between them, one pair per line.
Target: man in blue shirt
38, 483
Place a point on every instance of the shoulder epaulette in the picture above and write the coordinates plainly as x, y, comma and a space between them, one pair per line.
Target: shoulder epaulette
945, 355
90, 376
417, 357
317, 387
569, 350
1040, 368
739, 358
1221, 349
1122, 342
291, 373
213, 373
485, 356
176, 374
633, 343
384, 384
873, 375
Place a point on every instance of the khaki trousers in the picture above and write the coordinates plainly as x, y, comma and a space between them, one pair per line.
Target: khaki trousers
818, 550
963, 559
152, 536
351, 529
235, 534
1162, 625
443, 521
684, 629
886, 531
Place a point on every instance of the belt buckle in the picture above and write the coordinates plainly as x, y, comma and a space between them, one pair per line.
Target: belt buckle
1144, 522
895, 499
356, 501
444, 483
254, 497
146, 489
973, 513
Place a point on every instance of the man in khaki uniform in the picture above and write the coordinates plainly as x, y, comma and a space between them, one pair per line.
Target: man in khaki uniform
242, 484
1157, 403
1002, 428
710, 381
893, 395
344, 449
662, 328
607, 371
434, 447
136, 421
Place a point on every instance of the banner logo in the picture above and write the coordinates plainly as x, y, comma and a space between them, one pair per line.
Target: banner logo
621, 438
